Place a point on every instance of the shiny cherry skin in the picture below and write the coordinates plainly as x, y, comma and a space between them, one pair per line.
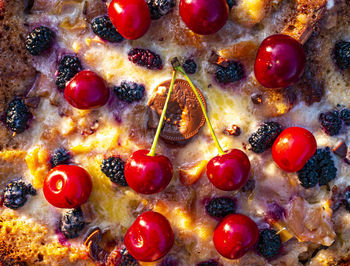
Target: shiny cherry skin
204, 16
131, 18
86, 90
235, 235
148, 174
280, 61
67, 186
293, 148
150, 237
229, 171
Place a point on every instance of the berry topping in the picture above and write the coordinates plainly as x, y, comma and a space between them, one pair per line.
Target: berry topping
17, 116
204, 17
86, 90
319, 169
150, 237
293, 148
342, 54
220, 207
39, 40
265, 136
145, 58
229, 171
280, 61
233, 72
113, 168
160, 8
67, 186
346, 200
60, 156
345, 116
132, 18
72, 222
235, 235
129, 91
269, 243
331, 123
190, 66
121, 257
68, 67
16, 192
208, 263
103, 28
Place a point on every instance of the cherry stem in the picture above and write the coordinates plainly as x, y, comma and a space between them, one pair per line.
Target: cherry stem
178, 67
152, 152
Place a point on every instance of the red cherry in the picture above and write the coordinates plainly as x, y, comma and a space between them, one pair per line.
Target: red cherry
150, 237
204, 16
229, 171
280, 61
148, 174
132, 18
293, 148
235, 235
86, 90
67, 186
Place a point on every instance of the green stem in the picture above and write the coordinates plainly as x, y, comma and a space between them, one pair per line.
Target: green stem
152, 152
217, 144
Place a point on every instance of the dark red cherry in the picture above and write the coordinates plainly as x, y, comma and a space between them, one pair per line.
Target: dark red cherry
131, 18
293, 148
229, 171
204, 16
150, 237
67, 186
148, 174
235, 235
280, 61
86, 90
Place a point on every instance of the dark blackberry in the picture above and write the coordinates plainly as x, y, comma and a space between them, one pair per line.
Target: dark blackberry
220, 207
16, 192
320, 169
208, 263
342, 54
265, 136
345, 116
39, 40
17, 116
68, 67
129, 91
269, 243
113, 168
346, 200
145, 58
233, 72
103, 28
160, 8
331, 123
190, 66
126, 259
60, 156
72, 222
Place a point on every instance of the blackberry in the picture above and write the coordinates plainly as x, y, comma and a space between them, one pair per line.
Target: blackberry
39, 40
113, 168
342, 54
190, 66
159, 8
103, 28
17, 116
346, 200
233, 72
331, 122
60, 156
345, 116
265, 136
269, 243
68, 67
16, 192
145, 58
320, 169
220, 207
208, 263
72, 222
126, 259
129, 91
